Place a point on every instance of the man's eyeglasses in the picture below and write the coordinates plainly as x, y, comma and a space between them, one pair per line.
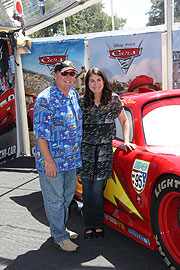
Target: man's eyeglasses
65, 73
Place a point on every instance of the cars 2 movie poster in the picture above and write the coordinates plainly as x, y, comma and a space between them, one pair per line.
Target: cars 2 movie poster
123, 57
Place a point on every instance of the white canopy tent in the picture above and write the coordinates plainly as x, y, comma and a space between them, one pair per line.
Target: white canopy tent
38, 14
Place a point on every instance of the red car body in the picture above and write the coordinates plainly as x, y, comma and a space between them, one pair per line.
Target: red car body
142, 200
7, 109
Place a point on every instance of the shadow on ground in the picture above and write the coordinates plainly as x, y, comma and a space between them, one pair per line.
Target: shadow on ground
115, 251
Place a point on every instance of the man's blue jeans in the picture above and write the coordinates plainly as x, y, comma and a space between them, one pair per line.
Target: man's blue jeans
93, 203
57, 195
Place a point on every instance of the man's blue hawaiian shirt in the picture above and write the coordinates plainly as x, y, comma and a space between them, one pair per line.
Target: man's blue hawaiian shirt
58, 119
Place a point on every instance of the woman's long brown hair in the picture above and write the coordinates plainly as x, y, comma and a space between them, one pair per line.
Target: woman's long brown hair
106, 92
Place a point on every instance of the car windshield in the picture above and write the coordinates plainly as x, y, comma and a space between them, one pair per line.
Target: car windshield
119, 131
161, 124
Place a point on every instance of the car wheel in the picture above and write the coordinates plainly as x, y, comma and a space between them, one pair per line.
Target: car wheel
165, 219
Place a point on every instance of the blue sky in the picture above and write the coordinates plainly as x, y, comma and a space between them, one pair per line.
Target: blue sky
133, 10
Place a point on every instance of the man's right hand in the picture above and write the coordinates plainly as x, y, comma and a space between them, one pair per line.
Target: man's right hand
51, 168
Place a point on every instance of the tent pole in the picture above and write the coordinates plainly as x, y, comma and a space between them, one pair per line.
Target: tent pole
169, 20
112, 15
64, 27
21, 111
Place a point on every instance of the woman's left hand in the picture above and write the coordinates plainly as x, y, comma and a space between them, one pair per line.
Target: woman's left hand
129, 146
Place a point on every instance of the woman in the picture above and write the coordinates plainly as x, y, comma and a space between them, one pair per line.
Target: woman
100, 108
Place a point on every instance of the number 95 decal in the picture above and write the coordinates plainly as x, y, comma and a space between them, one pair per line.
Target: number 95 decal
139, 174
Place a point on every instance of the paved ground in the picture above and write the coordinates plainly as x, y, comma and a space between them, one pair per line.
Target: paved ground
25, 242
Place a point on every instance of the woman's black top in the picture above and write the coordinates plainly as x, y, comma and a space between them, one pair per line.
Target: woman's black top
98, 132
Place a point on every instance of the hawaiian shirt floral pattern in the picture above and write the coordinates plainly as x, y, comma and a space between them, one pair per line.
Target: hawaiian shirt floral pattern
58, 119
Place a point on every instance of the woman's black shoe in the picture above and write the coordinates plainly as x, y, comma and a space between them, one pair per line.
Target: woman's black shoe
99, 234
88, 236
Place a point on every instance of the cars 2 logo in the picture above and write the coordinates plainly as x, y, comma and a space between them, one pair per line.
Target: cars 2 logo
125, 56
51, 60
125, 53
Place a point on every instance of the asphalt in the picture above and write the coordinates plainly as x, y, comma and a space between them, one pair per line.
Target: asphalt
25, 242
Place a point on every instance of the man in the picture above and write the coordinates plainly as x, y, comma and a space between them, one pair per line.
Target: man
58, 133
141, 81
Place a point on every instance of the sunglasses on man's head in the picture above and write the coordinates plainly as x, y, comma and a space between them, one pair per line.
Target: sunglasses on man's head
65, 73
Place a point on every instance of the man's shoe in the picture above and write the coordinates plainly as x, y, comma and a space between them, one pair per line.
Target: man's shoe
72, 235
67, 245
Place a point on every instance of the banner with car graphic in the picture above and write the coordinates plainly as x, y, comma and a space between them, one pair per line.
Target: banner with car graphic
8, 138
123, 57
38, 68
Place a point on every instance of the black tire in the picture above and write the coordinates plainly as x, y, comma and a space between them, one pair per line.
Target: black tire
165, 215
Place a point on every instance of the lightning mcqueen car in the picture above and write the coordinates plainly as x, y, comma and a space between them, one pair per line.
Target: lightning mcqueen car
142, 200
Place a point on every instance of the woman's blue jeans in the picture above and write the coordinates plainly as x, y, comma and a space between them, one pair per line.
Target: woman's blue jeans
57, 195
93, 203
